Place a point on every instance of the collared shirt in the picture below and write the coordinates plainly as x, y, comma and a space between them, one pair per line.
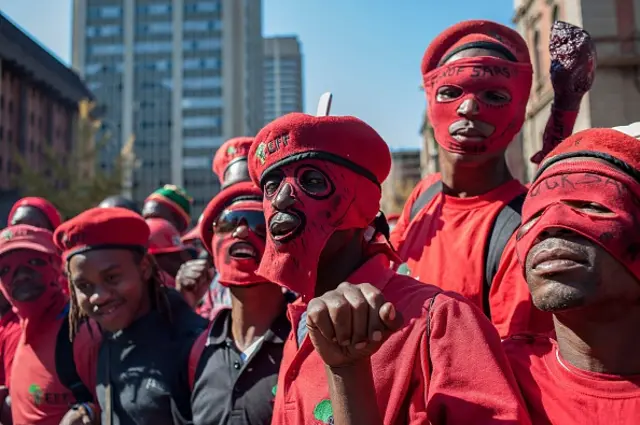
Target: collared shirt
145, 366
230, 390
445, 366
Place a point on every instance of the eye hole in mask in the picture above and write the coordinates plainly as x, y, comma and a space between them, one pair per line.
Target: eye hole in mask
492, 97
314, 182
229, 220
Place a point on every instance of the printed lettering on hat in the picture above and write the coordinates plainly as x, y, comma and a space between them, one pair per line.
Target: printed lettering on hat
7, 235
267, 148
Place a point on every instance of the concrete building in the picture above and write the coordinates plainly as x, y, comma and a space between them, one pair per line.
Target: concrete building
404, 175
282, 77
159, 67
615, 97
39, 98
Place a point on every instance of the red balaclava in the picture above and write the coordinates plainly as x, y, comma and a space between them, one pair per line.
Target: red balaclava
615, 185
31, 247
355, 160
232, 150
474, 75
235, 205
41, 204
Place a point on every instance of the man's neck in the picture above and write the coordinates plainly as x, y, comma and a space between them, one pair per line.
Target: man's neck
601, 344
336, 270
253, 311
466, 180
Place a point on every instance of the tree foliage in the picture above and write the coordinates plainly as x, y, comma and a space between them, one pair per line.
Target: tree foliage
75, 183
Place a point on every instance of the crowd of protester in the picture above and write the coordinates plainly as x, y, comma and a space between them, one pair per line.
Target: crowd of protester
294, 300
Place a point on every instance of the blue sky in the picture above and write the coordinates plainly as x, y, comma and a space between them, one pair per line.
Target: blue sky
367, 52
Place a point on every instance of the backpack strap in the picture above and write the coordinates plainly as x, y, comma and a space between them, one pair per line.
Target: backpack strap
424, 198
65, 363
199, 346
506, 223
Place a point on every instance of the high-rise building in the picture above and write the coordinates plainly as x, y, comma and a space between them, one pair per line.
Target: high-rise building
39, 98
615, 96
282, 77
180, 75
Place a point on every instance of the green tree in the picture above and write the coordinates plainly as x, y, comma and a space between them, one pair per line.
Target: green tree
75, 183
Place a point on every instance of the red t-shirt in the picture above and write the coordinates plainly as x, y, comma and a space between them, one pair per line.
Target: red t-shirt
471, 381
557, 392
445, 246
10, 332
37, 395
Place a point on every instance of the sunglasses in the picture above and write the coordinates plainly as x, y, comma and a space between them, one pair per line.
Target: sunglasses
229, 221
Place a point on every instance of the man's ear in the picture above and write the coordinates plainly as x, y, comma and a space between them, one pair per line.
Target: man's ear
146, 267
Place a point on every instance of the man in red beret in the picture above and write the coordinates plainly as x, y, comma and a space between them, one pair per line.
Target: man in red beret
230, 161
36, 212
148, 329
40, 388
456, 228
321, 180
580, 251
241, 351
166, 247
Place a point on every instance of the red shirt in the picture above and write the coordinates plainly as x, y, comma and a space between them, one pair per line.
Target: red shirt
37, 395
445, 245
10, 332
558, 393
471, 381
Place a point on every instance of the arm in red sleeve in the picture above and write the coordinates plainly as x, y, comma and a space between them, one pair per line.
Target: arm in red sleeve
10, 340
512, 310
471, 380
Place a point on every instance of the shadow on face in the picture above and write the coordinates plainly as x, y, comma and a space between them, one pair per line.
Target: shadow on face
111, 286
32, 216
566, 271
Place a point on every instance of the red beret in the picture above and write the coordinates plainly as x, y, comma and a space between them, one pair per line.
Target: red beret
602, 143
23, 236
164, 238
100, 228
43, 205
243, 191
229, 152
344, 140
475, 33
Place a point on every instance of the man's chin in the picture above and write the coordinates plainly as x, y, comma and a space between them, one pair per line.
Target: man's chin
559, 298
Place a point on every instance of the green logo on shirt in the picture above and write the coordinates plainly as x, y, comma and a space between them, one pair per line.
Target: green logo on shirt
324, 412
36, 393
274, 389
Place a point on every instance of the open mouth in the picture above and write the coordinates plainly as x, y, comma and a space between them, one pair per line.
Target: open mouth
284, 225
27, 290
243, 251
106, 310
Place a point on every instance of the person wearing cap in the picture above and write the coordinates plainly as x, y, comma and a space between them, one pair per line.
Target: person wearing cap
477, 77
148, 329
237, 367
30, 280
166, 246
230, 161
36, 212
321, 178
120, 202
579, 247
171, 203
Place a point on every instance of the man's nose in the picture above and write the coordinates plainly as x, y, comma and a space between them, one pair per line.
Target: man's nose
285, 197
241, 232
469, 107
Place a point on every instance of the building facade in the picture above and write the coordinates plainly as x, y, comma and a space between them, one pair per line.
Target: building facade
404, 175
282, 77
39, 99
181, 76
615, 97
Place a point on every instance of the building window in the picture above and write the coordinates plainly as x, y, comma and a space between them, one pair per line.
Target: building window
536, 54
213, 25
201, 122
202, 142
201, 102
202, 7
105, 12
207, 63
106, 49
202, 44
194, 162
156, 28
154, 9
153, 47
195, 83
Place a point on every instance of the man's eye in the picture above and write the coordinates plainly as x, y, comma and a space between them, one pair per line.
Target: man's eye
39, 262
4, 270
448, 93
496, 97
270, 187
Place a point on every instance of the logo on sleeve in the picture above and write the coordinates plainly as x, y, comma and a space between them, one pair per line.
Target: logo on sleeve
323, 412
36, 393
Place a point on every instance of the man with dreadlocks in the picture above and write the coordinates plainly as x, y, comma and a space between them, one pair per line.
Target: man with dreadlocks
30, 279
116, 282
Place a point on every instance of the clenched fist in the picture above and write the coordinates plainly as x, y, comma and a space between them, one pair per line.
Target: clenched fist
350, 323
193, 279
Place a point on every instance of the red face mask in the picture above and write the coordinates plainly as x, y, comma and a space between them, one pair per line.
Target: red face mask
347, 201
585, 181
473, 77
239, 243
30, 281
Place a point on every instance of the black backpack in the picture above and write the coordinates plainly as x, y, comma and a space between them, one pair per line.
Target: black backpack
506, 223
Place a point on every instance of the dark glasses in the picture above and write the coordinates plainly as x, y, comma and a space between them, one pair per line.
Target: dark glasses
229, 220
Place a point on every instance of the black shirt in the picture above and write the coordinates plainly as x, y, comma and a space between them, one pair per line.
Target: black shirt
230, 391
147, 366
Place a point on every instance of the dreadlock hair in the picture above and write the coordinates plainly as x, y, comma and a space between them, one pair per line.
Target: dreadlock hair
157, 293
